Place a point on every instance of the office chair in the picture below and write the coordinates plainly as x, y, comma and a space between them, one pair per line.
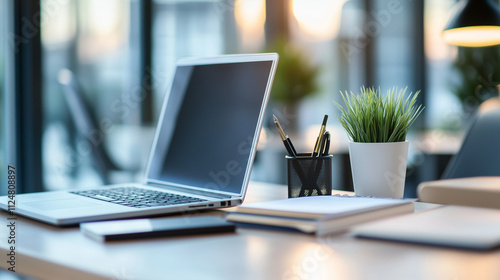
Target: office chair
86, 124
479, 154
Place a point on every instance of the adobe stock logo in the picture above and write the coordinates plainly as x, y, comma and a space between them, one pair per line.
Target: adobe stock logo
222, 178
31, 27
362, 37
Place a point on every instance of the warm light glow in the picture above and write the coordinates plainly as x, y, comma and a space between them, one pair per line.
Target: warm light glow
261, 144
104, 28
250, 18
473, 36
319, 19
104, 16
491, 104
436, 16
57, 23
449, 264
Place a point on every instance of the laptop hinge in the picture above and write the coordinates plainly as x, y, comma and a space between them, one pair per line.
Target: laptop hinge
190, 191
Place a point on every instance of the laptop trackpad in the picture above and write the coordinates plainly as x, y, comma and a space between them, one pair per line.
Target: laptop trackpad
60, 204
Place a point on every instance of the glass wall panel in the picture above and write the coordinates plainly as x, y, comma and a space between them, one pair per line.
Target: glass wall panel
92, 40
350, 43
443, 108
197, 28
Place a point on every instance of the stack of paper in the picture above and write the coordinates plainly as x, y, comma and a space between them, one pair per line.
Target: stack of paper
319, 214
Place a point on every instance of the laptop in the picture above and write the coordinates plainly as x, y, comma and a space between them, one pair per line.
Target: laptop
202, 153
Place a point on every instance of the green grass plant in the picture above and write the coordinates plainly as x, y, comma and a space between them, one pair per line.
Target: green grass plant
369, 117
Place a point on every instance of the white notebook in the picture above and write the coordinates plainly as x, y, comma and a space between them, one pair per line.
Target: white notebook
319, 214
451, 226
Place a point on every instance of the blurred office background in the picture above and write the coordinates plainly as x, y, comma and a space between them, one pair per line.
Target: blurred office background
121, 54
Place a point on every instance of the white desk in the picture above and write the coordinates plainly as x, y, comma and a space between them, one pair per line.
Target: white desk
47, 252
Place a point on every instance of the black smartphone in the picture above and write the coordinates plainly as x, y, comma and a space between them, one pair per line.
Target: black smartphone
155, 227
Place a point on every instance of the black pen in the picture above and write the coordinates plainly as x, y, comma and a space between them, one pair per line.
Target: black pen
318, 140
286, 141
322, 144
327, 144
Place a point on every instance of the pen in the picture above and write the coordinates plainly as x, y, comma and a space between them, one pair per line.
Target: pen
327, 144
286, 141
321, 132
322, 145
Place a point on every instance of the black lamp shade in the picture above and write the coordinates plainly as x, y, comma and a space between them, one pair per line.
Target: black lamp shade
475, 23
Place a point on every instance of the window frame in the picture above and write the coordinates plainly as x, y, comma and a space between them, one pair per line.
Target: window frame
22, 94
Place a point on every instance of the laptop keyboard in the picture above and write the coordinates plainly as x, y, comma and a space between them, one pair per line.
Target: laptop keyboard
137, 197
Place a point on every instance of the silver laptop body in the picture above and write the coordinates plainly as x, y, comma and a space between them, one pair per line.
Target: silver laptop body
204, 145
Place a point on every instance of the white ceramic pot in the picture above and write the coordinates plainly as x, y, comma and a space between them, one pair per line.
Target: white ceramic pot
379, 169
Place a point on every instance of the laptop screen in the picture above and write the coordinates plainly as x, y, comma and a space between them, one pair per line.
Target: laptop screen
209, 124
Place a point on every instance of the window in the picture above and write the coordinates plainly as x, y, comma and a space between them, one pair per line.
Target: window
202, 28
96, 41
102, 43
443, 108
121, 53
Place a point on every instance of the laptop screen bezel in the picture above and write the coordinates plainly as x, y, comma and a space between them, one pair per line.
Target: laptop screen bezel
222, 59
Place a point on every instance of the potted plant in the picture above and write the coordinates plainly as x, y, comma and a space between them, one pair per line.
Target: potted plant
377, 126
295, 79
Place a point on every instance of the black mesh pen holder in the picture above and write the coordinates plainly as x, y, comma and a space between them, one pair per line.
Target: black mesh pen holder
309, 176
